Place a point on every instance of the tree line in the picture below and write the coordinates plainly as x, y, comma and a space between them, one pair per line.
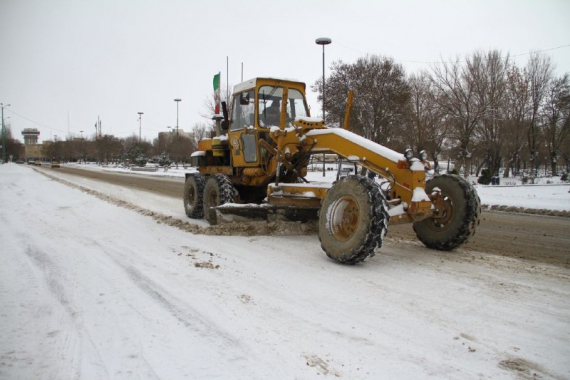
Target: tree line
171, 147
482, 111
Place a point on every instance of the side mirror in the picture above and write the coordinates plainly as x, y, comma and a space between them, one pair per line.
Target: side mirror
225, 122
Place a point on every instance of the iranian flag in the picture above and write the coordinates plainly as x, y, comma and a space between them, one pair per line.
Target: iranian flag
217, 93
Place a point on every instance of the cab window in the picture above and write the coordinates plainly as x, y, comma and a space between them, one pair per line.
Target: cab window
243, 110
269, 105
296, 106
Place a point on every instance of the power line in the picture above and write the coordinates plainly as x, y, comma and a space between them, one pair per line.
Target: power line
435, 62
540, 51
35, 122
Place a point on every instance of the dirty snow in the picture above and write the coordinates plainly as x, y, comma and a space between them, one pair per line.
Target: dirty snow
92, 289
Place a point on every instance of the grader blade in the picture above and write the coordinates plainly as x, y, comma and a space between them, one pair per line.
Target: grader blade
235, 213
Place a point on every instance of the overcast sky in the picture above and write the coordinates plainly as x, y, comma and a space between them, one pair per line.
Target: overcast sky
66, 62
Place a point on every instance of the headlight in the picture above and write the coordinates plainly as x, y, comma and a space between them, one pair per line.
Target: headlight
423, 155
409, 154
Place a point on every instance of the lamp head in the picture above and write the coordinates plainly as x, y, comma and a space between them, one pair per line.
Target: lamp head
323, 41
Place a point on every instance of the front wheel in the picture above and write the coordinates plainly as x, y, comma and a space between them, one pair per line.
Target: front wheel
219, 190
353, 220
193, 196
456, 217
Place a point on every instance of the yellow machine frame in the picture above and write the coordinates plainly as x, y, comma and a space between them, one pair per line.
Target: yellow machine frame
276, 146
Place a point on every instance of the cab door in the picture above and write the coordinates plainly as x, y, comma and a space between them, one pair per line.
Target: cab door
243, 135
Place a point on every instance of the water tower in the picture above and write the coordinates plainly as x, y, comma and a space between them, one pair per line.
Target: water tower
30, 136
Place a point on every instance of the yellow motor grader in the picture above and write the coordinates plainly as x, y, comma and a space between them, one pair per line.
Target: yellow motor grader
256, 165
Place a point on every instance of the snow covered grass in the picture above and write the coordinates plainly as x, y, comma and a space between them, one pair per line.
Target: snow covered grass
93, 290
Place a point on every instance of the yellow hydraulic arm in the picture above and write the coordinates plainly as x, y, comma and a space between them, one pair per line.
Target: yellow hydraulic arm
407, 178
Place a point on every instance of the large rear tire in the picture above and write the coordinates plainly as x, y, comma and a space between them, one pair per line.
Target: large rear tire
459, 216
219, 190
194, 196
353, 220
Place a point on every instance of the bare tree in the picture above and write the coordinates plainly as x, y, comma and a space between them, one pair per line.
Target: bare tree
130, 141
381, 95
557, 117
162, 143
426, 127
107, 148
186, 146
201, 131
565, 154
491, 90
338, 85
515, 112
539, 69
209, 105
459, 92
14, 148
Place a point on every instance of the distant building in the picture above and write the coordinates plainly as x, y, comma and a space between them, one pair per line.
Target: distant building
173, 132
32, 150
30, 135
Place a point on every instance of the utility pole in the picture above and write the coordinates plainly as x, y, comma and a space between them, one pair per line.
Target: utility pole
3, 134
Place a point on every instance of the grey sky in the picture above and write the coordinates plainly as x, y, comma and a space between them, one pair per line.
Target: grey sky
114, 58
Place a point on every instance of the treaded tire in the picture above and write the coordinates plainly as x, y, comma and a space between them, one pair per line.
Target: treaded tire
194, 196
461, 216
353, 220
219, 190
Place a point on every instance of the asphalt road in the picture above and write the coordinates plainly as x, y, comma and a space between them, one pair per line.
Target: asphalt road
540, 238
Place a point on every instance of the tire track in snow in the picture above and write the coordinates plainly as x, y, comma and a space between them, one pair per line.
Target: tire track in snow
72, 340
219, 341
188, 316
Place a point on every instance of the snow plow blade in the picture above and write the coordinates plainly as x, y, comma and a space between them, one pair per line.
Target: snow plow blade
239, 213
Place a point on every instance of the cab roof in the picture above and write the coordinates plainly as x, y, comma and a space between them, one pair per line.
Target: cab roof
252, 83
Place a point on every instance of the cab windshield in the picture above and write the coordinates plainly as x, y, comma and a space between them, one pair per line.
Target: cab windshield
269, 105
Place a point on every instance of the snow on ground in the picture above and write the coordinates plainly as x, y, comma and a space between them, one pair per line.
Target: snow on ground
93, 290
539, 196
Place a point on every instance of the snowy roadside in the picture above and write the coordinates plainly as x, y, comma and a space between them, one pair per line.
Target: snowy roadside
93, 290
549, 196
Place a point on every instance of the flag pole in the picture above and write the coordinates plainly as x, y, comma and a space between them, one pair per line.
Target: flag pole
217, 116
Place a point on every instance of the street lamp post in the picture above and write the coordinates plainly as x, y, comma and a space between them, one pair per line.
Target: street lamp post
323, 41
3, 134
177, 100
140, 124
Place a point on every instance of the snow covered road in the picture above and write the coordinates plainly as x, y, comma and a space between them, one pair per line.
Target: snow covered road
94, 290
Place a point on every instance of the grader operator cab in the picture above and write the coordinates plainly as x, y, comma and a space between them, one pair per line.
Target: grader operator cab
256, 165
